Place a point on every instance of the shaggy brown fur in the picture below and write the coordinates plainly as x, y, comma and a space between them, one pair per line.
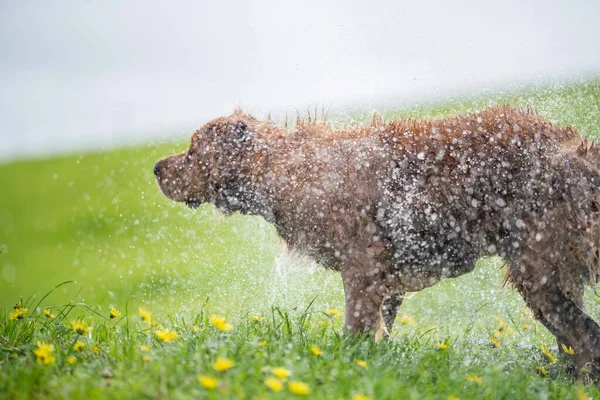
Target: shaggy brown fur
397, 207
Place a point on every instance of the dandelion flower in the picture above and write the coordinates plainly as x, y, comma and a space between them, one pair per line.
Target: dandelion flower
19, 313
453, 397
80, 327
145, 315
48, 314
274, 384
220, 323
474, 378
333, 312
316, 351
281, 372
526, 325
360, 363
196, 329
165, 335
208, 382
567, 350
494, 340
406, 319
261, 343
114, 313
18, 305
361, 397
144, 347
146, 358
299, 388
44, 354
71, 360
257, 318
96, 350
581, 395
551, 357
542, 370
78, 345
442, 346
503, 328
222, 364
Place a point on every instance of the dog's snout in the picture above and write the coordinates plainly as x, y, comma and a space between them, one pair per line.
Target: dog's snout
157, 169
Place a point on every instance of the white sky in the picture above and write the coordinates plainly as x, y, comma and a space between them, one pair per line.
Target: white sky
81, 74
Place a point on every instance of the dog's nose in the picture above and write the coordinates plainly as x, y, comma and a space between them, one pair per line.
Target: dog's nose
157, 169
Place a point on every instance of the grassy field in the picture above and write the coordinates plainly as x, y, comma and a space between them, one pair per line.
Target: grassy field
99, 220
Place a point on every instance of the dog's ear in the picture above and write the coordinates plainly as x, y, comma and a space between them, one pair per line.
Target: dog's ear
241, 131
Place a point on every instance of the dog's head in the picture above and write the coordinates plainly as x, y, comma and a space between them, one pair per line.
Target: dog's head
211, 162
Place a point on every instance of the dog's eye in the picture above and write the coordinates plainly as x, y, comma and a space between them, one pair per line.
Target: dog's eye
594, 206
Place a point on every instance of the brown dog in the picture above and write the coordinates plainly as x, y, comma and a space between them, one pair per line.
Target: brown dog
397, 207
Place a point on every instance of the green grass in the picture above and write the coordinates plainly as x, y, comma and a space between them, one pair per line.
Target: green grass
99, 219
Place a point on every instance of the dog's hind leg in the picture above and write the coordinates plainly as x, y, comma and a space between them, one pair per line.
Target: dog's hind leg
560, 314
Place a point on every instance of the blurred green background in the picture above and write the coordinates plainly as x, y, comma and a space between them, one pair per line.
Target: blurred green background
99, 219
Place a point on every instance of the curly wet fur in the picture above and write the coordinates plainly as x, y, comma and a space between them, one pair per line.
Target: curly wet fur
398, 206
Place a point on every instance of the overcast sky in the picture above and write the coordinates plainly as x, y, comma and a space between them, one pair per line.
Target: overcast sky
90, 74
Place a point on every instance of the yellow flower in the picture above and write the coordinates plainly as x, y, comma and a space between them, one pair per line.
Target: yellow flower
274, 384
299, 388
581, 395
18, 305
44, 353
114, 313
333, 312
96, 350
474, 378
360, 363
165, 335
568, 350
144, 347
361, 397
71, 360
257, 318
207, 382
503, 328
196, 329
261, 343
542, 371
406, 319
495, 341
551, 357
501, 323
48, 314
442, 346
146, 358
220, 323
316, 351
223, 364
78, 345
145, 315
527, 311
453, 397
526, 326
80, 327
281, 372
19, 313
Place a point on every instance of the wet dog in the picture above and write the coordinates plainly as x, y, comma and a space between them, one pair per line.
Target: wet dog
398, 206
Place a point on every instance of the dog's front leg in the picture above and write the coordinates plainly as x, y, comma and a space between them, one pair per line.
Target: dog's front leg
365, 289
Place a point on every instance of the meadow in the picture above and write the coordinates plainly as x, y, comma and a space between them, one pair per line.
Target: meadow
206, 306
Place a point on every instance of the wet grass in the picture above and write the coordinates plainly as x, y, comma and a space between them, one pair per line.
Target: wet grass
132, 357
99, 219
